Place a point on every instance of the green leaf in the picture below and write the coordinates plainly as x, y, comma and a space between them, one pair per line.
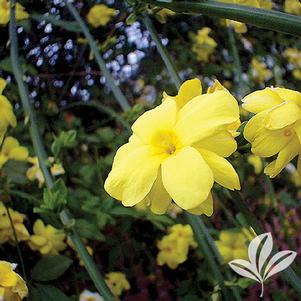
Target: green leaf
64, 140
50, 268
46, 293
88, 230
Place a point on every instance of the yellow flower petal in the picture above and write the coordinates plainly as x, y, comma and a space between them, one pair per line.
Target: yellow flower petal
289, 95
158, 197
282, 115
205, 208
162, 117
262, 100
19, 153
223, 172
284, 157
205, 115
9, 144
221, 143
2, 84
187, 178
132, 179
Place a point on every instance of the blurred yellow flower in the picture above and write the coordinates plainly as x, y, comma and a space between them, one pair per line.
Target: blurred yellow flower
117, 283
292, 7
293, 55
203, 45
276, 127
7, 116
11, 150
260, 73
232, 244
241, 27
6, 230
174, 247
35, 173
86, 295
177, 151
165, 13
47, 239
12, 286
256, 162
21, 14
100, 15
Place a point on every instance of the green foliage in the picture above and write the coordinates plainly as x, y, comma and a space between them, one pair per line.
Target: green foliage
64, 140
46, 293
51, 268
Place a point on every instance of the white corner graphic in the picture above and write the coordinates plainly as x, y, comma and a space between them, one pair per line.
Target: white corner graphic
260, 268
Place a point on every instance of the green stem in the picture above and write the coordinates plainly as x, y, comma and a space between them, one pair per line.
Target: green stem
268, 19
164, 54
41, 154
237, 77
198, 229
100, 61
17, 244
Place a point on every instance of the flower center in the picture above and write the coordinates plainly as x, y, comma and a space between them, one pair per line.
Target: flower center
165, 141
287, 132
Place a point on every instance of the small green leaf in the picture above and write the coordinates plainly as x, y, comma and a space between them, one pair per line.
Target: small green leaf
88, 230
50, 268
46, 293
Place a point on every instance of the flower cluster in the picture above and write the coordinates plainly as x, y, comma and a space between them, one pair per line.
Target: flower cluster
10, 218
100, 15
232, 244
117, 283
260, 73
293, 55
166, 160
12, 286
174, 247
203, 45
47, 239
275, 129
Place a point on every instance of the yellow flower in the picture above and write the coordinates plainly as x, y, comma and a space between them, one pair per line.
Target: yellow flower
241, 27
174, 247
177, 151
35, 173
293, 56
203, 45
100, 15
260, 72
292, 7
47, 239
117, 283
232, 243
165, 13
276, 127
7, 116
256, 162
12, 286
21, 14
11, 150
6, 230
86, 295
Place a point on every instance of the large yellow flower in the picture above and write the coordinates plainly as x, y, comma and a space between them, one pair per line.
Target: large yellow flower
12, 286
6, 230
100, 15
21, 14
11, 150
177, 151
7, 116
47, 239
276, 127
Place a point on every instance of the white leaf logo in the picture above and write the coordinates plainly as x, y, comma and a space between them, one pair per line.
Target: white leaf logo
260, 268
